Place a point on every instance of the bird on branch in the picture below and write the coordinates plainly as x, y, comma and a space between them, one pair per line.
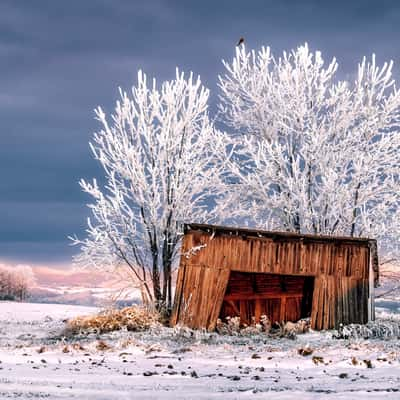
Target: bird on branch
241, 41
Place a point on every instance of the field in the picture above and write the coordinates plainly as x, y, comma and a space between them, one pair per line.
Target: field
37, 363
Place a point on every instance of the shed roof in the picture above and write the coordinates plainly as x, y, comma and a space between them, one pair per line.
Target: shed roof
274, 235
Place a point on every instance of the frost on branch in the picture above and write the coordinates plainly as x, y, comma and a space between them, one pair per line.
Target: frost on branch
313, 154
371, 330
161, 159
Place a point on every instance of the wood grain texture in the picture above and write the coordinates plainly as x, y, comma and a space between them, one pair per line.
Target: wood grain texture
337, 270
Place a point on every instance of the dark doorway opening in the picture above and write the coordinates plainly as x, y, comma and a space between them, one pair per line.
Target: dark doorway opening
279, 297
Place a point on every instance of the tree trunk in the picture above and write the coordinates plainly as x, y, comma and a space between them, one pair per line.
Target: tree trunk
373, 248
167, 272
156, 281
296, 222
355, 210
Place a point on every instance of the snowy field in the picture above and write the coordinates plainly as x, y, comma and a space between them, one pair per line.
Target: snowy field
37, 363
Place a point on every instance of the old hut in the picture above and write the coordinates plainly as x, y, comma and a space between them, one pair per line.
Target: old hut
241, 272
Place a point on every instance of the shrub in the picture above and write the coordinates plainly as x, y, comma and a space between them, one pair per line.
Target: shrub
133, 318
8, 297
371, 330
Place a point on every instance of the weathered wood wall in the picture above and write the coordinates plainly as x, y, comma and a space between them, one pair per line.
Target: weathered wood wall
340, 267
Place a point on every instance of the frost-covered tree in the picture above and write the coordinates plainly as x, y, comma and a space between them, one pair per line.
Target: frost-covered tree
24, 280
159, 155
313, 154
15, 281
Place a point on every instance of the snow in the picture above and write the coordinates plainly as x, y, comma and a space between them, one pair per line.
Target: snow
22, 312
184, 365
29, 323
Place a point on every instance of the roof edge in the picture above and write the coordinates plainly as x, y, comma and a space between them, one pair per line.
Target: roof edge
230, 230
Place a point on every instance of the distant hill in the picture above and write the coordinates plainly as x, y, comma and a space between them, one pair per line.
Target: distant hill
52, 277
80, 287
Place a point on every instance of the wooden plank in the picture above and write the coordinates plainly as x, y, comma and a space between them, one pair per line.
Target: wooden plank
359, 301
372, 257
222, 277
321, 301
344, 316
282, 313
178, 295
201, 304
339, 304
215, 282
332, 302
234, 307
242, 308
314, 307
180, 282
194, 296
239, 296
350, 296
257, 310
184, 307
325, 304
315, 314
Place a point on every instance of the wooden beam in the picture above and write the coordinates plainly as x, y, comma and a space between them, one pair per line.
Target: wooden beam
242, 296
283, 309
233, 305
257, 310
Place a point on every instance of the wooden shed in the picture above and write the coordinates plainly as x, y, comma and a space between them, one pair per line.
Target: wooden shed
227, 271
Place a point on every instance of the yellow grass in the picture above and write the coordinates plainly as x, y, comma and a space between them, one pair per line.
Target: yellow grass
132, 318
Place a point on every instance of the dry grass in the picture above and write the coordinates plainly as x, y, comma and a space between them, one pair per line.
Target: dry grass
132, 318
102, 345
234, 326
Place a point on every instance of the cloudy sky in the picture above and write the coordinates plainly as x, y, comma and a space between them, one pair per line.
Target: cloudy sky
60, 59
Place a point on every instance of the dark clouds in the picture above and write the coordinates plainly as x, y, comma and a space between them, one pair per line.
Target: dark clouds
59, 60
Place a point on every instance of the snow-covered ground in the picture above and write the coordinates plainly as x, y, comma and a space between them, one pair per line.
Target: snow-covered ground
35, 362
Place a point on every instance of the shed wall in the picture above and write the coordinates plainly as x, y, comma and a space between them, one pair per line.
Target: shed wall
340, 268
290, 257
